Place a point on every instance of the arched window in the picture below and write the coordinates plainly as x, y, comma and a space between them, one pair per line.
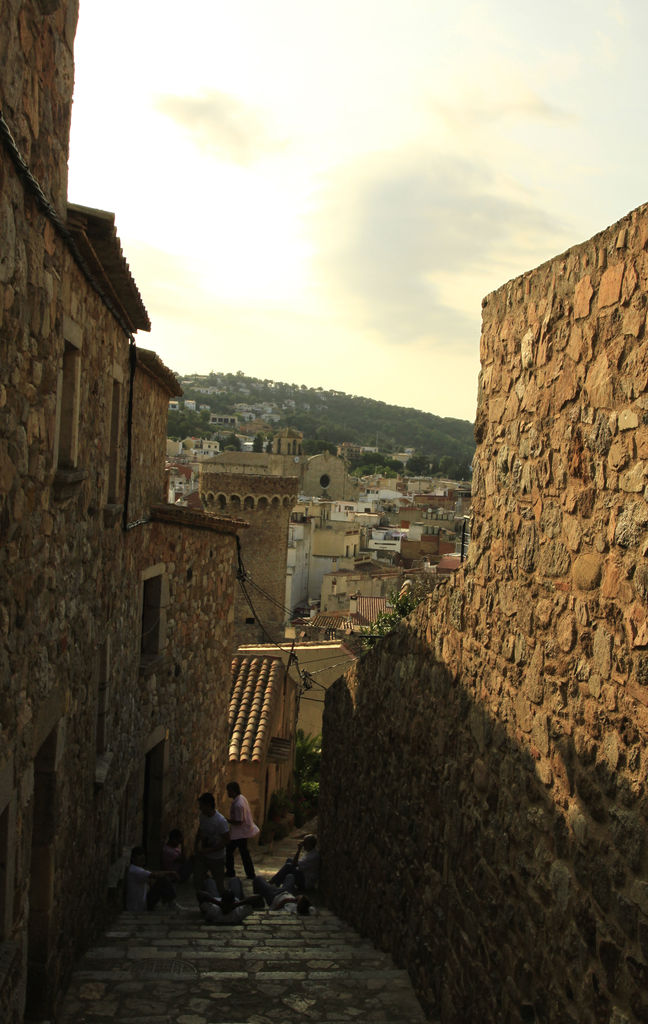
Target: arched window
262, 503
249, 502
235, 502
222, 501
276, 503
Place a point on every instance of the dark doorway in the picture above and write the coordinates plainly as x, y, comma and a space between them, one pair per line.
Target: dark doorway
41, 983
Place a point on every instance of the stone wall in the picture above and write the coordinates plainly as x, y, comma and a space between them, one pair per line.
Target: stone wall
265, 504
484, 802
36, 82
116, 610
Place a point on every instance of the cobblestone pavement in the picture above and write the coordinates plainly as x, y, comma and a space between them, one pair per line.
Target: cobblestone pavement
171, 968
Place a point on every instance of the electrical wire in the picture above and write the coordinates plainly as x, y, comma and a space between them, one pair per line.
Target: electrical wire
305, 675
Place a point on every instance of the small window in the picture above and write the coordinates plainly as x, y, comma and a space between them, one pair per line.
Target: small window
113, 446
67, 414
151, 616
155, 600
325, 480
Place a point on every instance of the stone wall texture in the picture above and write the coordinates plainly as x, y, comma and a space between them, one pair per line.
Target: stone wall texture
114, 690
484, 788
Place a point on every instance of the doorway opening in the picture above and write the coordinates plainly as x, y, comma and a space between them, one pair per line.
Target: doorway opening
40, 983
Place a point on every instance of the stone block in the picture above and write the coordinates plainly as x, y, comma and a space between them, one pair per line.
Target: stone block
586, 571
609, 291
582, 297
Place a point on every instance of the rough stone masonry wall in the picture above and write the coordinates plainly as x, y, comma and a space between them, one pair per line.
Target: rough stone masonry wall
36, 80
71, 577
484, 788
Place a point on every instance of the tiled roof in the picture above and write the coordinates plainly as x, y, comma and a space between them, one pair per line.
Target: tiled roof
369, 608
97, 241
335, 620
183, 516
449, 563
193, 500
150, 361
181, 469
257, 683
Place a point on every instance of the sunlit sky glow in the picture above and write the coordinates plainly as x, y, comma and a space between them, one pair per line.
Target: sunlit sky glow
322, 191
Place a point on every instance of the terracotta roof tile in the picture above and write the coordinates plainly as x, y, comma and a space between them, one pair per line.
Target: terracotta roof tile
336, 620
256, 687
369, 608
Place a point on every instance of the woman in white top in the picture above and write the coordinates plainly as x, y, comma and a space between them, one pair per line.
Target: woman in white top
242, 828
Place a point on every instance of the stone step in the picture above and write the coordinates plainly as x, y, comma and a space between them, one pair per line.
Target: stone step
171, 968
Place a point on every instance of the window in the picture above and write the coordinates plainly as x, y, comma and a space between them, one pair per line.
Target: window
113, 444
66, 440
155, 600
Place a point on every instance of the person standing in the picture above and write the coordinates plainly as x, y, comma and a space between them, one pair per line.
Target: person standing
211, 842
242, 828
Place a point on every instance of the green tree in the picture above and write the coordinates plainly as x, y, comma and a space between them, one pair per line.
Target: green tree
418, 465
402, 603
231, 443
308, 757
257, 444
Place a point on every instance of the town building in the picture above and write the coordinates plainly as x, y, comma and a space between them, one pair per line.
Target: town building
116, 608
265, 504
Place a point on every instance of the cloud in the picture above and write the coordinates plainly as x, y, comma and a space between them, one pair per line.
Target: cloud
477, 111
221, 125
395, 235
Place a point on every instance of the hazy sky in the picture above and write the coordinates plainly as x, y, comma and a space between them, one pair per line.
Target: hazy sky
322, 191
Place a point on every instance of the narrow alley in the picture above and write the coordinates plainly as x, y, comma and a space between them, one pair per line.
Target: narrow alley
275, 968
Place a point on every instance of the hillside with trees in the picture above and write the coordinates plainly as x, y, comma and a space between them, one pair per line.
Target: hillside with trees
326, 419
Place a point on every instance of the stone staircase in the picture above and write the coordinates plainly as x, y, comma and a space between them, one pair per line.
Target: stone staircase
169, 967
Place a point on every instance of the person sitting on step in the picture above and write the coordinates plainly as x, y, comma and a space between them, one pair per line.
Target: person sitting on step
173, 856
144, 888
304, 866
284, 897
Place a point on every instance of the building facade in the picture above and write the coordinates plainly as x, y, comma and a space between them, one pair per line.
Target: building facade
115, 608
264, 503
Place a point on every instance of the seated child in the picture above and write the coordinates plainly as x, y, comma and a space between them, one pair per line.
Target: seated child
173, 856
140, 893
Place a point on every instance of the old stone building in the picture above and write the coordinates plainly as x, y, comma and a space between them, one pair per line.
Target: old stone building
264, 503
323, 476
502, 732
115, 608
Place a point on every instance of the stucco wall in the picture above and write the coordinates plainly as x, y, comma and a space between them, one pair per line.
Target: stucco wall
484, 803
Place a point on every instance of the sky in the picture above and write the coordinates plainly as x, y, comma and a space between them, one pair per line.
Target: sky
323, 191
